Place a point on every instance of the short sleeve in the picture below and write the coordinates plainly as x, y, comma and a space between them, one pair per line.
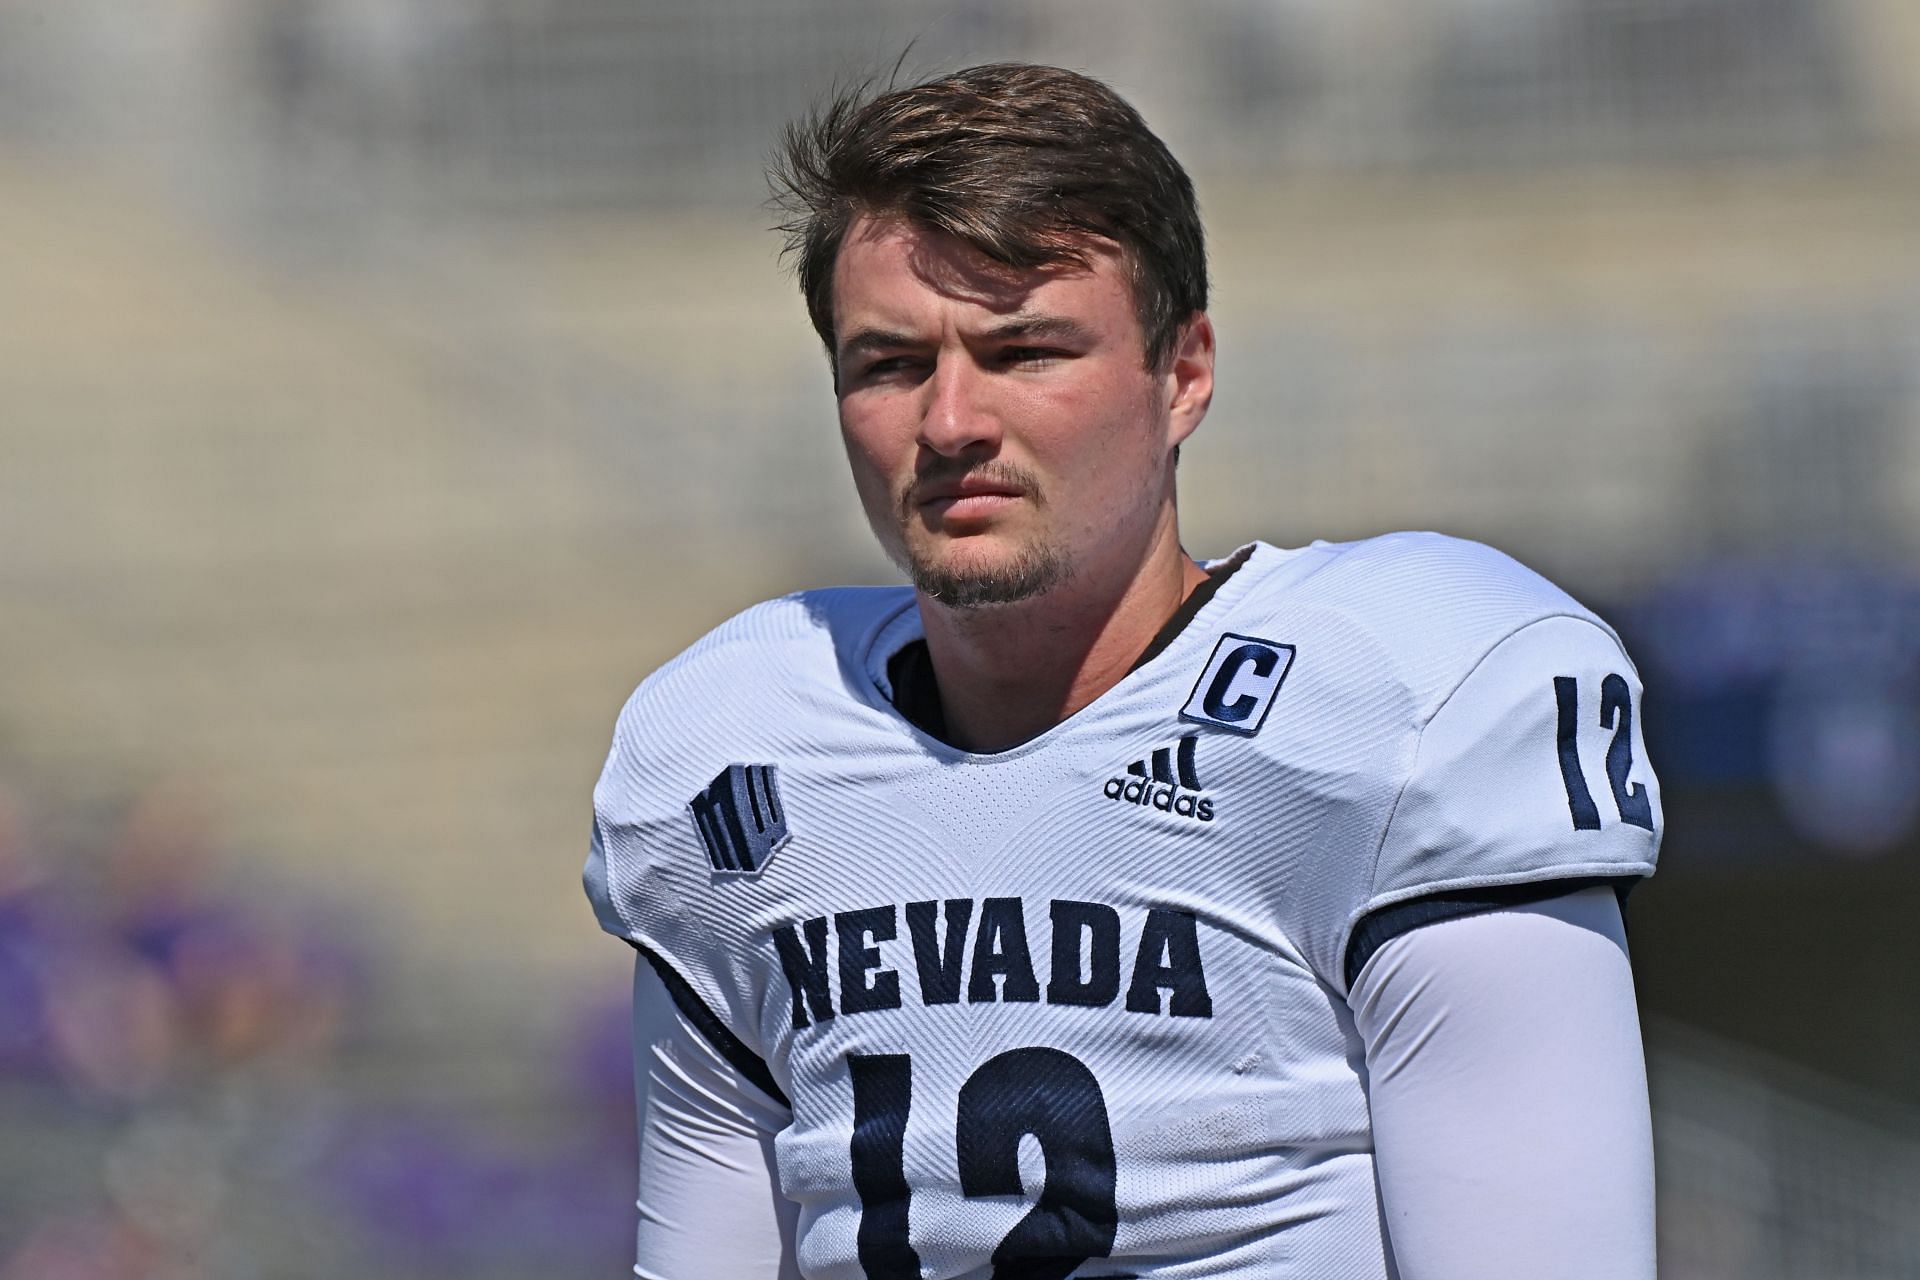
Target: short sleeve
597, 879
643, 884
1534, 768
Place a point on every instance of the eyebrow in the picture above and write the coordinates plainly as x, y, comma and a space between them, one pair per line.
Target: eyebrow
1056, 327
874, 340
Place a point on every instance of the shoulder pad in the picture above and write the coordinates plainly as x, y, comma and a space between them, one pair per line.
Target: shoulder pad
1430, 607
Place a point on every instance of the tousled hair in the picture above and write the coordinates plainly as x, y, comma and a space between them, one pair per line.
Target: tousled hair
1025, 163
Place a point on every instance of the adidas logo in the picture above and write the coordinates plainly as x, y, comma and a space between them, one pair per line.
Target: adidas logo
1166, 781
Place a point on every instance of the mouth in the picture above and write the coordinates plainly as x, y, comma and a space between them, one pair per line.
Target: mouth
967, 486
966, 491
968, 507
969, 497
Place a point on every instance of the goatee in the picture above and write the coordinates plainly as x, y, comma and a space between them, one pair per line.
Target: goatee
1034, 571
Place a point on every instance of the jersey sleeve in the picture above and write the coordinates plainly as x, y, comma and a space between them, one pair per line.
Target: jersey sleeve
643, 877
1533, 769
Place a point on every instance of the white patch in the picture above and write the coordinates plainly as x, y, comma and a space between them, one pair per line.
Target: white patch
1237, 688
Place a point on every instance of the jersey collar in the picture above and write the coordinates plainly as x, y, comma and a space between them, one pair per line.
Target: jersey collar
908, 681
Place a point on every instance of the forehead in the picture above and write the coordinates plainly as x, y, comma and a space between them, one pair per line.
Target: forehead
897, 274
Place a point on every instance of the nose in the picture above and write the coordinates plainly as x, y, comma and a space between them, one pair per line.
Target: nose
958, 415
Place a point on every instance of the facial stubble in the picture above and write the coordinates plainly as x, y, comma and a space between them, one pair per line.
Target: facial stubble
1035, 568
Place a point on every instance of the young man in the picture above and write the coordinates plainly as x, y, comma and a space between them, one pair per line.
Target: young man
1084, 909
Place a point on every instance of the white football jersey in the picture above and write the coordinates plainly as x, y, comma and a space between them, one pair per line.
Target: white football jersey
1077, 1008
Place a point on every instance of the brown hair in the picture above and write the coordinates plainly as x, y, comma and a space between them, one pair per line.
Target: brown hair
1024, 163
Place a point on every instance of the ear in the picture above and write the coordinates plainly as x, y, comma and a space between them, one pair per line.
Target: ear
1188, 380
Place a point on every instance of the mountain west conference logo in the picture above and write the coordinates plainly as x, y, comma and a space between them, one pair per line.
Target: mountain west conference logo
1166, 781
740, 818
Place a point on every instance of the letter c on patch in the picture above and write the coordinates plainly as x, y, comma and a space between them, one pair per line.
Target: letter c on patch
1215, 703
1237, 687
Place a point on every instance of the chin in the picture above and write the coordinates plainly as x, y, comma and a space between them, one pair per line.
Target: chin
964, 579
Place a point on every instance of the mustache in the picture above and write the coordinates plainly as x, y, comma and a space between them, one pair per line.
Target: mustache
949, 471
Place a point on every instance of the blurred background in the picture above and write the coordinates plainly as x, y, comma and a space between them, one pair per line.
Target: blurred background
387, 385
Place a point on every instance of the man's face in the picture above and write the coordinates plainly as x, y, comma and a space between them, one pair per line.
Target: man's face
1005, 432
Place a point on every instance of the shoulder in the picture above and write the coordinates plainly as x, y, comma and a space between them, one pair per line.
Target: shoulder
763, 657
1479, 715
1415, 563
783, 680
783, 677
1423, 610
791, 630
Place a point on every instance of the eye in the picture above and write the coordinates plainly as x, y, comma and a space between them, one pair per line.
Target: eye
887, 366
1030, 356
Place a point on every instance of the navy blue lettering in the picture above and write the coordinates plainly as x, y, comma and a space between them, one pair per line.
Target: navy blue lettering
858, 958
1636, 809
1053, 1097
939, 965
1215, 704
1566, 697
1169, 958
1100, 925
882, 1098
806, 969
1000, 949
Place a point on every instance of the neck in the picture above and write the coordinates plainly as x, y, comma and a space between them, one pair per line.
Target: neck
1010, 672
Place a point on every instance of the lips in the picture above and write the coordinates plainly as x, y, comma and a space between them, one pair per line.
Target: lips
967, 499
966, 491
954, 495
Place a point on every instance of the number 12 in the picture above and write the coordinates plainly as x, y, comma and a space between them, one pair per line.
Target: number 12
1037, 1091
1616, 705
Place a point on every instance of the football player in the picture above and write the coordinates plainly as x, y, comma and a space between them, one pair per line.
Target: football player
1086, 909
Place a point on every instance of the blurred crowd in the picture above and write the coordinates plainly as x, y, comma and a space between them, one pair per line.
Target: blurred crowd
1791, 685
189, 1083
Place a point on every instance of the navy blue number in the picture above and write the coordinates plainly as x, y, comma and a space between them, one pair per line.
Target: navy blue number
882, 1093
1043, 1092
1635, 807
1566, 692
1616, 713
1052, 1096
